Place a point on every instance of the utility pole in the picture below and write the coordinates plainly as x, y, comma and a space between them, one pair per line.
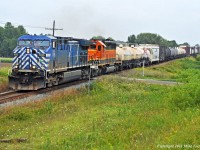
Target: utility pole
53, 28
89, 80
143, 68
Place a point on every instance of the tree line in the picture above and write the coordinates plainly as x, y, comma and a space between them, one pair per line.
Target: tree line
151, 38
8, 38
147, 38
9, 35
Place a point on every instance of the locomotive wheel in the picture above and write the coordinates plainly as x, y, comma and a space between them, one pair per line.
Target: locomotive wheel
49, 84
56, 82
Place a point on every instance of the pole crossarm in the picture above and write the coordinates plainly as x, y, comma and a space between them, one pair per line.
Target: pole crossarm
53, 29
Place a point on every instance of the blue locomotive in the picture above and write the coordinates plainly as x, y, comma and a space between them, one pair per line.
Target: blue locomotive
42, 61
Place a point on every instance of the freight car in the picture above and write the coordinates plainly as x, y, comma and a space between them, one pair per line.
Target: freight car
181, 52
128, 56
154, 52
164, 53
44, 61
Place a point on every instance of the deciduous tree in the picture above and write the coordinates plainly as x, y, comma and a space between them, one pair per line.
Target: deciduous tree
8, 38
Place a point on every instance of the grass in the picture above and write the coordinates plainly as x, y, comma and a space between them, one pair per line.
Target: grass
5, 60
179, 70
4, 68
4, 78
118, 114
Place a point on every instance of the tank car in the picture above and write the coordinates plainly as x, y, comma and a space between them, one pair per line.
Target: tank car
138, 55
181, 52
141, 54
173, 53
129, 56
164, 53
186, 48
43, 61
125, 56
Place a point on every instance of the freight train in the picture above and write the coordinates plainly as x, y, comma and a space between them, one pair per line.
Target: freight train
42, 61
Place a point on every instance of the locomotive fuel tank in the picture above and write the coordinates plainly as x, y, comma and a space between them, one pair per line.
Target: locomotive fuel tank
110, 69
71, 76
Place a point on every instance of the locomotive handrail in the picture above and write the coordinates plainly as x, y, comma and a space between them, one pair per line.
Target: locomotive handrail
9, 71
45, 74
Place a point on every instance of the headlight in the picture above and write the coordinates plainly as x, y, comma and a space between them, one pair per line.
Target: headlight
16, 67
28, 50
34, 67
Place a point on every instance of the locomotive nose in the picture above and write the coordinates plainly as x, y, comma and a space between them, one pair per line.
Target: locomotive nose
28, 59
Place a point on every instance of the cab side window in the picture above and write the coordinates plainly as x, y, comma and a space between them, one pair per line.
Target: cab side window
99, 48
54, 44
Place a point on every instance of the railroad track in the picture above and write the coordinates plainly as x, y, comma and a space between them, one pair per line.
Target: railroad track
10, 96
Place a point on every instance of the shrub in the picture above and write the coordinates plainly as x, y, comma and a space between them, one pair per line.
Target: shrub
198, 58
184, 97
5, 60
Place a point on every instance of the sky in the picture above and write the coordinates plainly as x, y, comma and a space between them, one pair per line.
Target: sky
172, 19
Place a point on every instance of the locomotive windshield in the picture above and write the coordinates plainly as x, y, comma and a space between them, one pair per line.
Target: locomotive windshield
42, 44
93, 46
25, 43
110, 45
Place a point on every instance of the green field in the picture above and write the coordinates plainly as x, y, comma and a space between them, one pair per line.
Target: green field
5, 65
5, 60
118, 114
173, 71
4, 78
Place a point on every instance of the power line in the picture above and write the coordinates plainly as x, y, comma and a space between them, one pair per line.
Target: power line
26, 26
39, 27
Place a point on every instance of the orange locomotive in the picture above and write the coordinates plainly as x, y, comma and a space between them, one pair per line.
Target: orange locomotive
103, 55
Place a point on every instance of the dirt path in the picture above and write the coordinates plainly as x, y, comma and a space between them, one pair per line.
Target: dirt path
5, 65
152, 81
